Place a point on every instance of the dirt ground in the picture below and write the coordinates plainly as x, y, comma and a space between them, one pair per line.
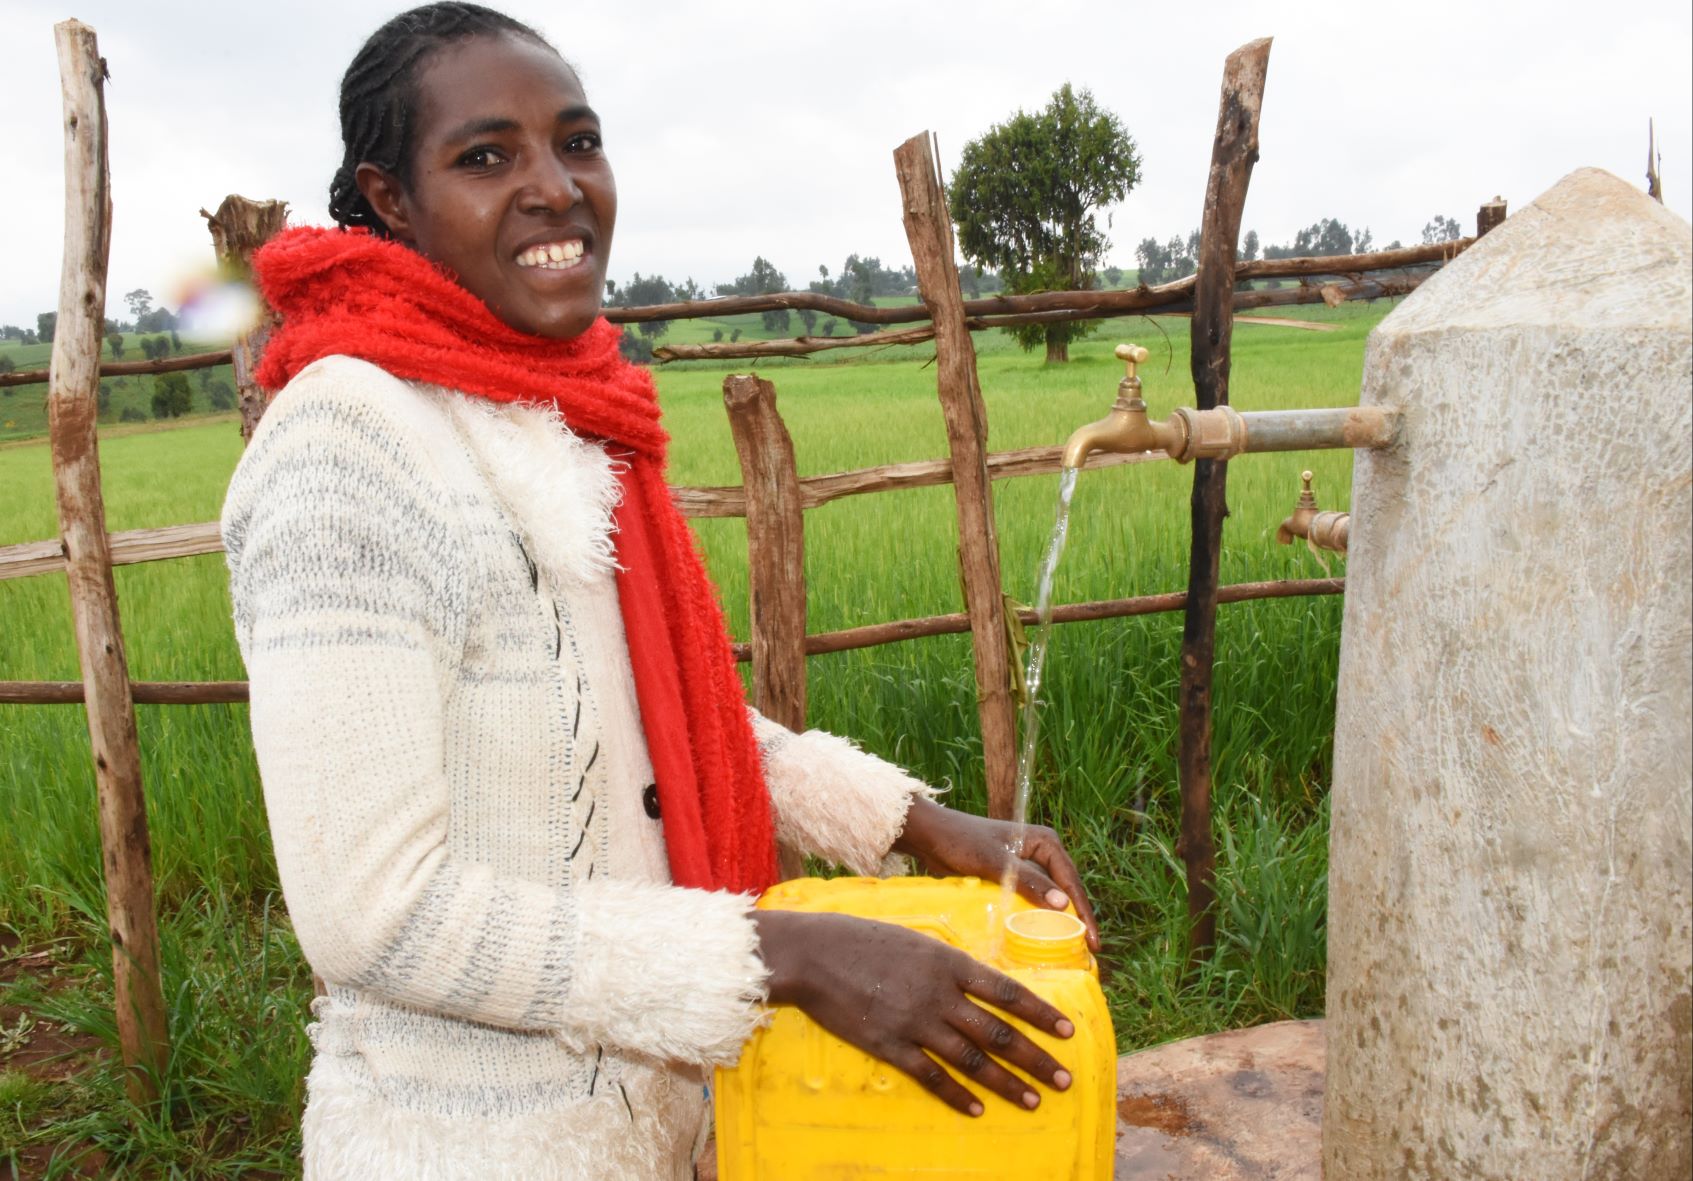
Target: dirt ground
45, 1052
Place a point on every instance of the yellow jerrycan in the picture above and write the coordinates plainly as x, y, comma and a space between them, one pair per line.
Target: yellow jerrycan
802, 1105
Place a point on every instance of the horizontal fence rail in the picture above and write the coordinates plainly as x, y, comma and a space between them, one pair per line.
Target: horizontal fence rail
144, 692
179, 541
1109, 302
874, 634
997, 311
129, 368
184, 541
1380, 287
821, 644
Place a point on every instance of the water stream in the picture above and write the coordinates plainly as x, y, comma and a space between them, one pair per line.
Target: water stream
1032, 682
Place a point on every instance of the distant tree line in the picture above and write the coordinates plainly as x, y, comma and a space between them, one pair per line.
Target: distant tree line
144, 317
1177, 258
860, 279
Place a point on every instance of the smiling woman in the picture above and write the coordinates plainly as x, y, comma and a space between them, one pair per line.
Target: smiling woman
519, 805
518, 201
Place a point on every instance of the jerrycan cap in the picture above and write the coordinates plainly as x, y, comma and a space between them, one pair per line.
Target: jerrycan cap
1046, 939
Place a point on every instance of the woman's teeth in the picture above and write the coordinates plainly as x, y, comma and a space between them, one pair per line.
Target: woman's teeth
554, 256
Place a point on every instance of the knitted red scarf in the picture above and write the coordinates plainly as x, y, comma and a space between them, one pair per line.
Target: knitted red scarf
357, 295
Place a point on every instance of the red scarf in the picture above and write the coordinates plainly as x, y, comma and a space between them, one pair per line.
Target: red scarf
357, 295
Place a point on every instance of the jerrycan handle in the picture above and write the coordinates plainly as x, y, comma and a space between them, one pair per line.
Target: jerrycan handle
1046, 939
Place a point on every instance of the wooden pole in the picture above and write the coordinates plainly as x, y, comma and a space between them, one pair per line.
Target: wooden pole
1233, 153
928, 227
820, 644
775, 549
1112, 302
1383, 286
1490, 216
873, 634
239, 227
998, 311
141, 692
73, 406
775, 559
127, 368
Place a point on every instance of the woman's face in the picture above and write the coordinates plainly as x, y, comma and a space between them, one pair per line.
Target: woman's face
509, 187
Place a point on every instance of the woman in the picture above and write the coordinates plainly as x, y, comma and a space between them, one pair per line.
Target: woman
519, 806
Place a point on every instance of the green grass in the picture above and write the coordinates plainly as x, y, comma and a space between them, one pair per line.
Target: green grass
23, 409
1105, 778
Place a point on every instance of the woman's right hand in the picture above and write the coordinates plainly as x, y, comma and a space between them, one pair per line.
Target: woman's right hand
906, 999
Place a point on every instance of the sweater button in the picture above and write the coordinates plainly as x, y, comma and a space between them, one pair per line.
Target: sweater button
649, 799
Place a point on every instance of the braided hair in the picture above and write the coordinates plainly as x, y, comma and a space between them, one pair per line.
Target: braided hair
379, 95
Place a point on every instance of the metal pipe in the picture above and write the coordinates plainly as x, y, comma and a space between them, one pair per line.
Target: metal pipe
1223, 432
1316, 430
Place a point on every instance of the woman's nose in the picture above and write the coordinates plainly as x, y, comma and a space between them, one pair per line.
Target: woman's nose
551, 186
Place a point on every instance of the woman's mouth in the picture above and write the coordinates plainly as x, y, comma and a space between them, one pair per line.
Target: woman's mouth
553, 256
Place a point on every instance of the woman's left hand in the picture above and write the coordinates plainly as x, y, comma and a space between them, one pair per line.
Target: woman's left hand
962, 845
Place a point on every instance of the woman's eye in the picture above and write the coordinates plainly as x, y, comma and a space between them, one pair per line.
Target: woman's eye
587, 141
481, 158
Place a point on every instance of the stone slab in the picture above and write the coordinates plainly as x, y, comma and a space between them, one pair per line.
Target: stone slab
1245, 1105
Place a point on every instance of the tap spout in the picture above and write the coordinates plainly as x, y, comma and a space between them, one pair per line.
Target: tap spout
1124, 431
1127, 429
1321, 530
1222, 432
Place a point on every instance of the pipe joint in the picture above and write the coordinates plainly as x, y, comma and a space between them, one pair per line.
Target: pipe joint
1219, 433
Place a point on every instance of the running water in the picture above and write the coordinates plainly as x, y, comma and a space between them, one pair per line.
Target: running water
1032, 681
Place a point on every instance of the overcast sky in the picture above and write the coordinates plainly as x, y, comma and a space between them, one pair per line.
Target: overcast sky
739, 129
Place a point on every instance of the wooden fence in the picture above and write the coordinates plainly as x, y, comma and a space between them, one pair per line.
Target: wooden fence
772, 497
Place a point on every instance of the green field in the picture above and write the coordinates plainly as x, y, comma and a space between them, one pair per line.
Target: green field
23, 409
235, 983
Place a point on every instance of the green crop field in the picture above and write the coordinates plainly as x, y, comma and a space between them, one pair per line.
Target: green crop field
234, 980
126, 400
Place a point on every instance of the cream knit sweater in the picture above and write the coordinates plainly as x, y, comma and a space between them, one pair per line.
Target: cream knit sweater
456, 777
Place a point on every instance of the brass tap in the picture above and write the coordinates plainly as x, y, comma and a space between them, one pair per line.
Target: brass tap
1186, 434
1298, 523
1321, 530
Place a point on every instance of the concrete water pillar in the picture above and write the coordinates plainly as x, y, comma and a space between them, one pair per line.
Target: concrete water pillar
1510, 936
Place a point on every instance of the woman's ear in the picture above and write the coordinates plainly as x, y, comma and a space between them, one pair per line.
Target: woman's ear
386, 196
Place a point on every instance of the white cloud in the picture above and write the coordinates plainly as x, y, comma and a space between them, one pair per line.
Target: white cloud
768, 128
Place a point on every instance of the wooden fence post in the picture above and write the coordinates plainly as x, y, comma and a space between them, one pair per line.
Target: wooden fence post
239, 227
1490, 216
1233, 153
775, 558
73, 407
775, 549
928, 226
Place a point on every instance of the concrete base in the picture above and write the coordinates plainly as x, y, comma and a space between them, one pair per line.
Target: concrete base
1245, 1105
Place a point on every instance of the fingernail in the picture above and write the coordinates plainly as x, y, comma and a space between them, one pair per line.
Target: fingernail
1061, 1079
1031, 1100
1065, 1029
975, 1109
1057, 899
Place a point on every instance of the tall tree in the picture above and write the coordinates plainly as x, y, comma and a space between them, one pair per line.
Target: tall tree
1442, 229
171, 396
763, 279
644, 292
140, 302
45, 323
1026, 195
